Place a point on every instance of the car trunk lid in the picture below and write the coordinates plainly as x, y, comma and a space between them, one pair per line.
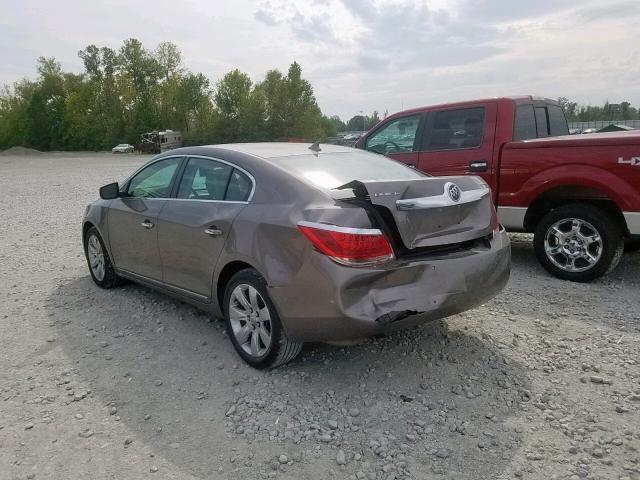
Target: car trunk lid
432, 211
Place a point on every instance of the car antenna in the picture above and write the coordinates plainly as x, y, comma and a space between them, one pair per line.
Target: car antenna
315, 147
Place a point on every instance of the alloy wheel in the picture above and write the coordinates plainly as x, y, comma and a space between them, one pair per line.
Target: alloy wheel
96, 257
573, 245
250, 320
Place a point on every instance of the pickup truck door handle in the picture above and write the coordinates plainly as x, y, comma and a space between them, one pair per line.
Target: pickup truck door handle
147, 224
213, 231
478, 166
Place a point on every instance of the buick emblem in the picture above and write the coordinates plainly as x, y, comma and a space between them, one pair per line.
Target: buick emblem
453, 191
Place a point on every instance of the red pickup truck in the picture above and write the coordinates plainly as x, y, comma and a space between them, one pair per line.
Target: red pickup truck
579, 195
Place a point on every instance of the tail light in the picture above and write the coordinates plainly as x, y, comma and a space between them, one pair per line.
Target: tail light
349, 246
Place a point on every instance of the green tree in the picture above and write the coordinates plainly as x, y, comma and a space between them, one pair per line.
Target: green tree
131, 90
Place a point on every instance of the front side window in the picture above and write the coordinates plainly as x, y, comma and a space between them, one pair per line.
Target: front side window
456, 129
524, 127
204, 179
397, 136
154, 181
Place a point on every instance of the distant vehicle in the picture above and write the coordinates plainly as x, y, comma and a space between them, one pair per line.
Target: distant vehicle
590, 130
122, 148
157, 142
579, 195
290, 243
575, 131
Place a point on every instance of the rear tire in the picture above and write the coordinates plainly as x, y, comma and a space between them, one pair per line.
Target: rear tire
253, 324
578, 242
100, 266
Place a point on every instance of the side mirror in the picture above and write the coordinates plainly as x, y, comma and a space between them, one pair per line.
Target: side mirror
109, 192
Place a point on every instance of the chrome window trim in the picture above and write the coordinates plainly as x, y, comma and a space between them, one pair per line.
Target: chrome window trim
336, 228
187, 157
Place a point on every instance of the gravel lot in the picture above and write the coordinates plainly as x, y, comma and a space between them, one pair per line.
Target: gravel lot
543, 382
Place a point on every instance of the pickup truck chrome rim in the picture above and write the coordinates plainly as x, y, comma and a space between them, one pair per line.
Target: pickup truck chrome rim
250, 320
573, 245
96, 257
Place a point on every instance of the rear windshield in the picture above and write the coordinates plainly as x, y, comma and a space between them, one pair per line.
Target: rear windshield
332, 170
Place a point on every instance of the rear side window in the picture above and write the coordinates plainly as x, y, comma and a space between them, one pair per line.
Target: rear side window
397, 136
456, 129
541, 122
525, 123
239, 187
557, 121
332, 170
204, 179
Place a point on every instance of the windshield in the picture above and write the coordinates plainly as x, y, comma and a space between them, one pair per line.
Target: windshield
332, 170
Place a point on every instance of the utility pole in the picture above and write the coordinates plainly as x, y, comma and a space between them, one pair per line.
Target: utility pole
364, 121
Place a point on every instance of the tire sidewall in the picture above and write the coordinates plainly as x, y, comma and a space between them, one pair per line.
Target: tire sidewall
609, 233
108, 267
253, 278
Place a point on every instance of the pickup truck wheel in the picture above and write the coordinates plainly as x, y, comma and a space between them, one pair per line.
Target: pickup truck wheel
578, 242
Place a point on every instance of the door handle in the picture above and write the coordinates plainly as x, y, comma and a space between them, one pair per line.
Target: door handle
213, 231
147, 224
478, 166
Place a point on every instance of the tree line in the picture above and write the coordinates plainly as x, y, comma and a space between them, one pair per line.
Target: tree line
131, 90
576, 112
125, 92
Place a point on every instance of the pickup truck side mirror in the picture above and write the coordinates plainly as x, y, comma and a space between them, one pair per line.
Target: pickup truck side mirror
109, 192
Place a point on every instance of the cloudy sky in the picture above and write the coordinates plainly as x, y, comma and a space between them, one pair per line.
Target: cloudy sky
358, 54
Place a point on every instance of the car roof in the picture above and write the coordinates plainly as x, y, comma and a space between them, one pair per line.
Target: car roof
278, 149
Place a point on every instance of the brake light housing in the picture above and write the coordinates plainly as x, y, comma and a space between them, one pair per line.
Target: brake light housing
355, 247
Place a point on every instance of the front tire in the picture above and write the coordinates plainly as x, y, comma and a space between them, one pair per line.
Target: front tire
578, 242
253, 323
100, 266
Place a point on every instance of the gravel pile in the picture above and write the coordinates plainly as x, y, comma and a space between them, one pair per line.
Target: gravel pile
541, 383
14, 151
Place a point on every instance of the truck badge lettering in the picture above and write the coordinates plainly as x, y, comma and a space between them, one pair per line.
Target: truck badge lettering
634, 161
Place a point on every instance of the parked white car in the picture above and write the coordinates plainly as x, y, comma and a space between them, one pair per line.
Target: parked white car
122, 148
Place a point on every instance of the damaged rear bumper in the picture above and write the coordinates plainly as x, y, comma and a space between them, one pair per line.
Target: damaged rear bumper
329, 302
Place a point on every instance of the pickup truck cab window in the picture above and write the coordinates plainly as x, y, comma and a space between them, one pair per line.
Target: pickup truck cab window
557, 121
397, 136
456, 129
542, 122
525, 123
